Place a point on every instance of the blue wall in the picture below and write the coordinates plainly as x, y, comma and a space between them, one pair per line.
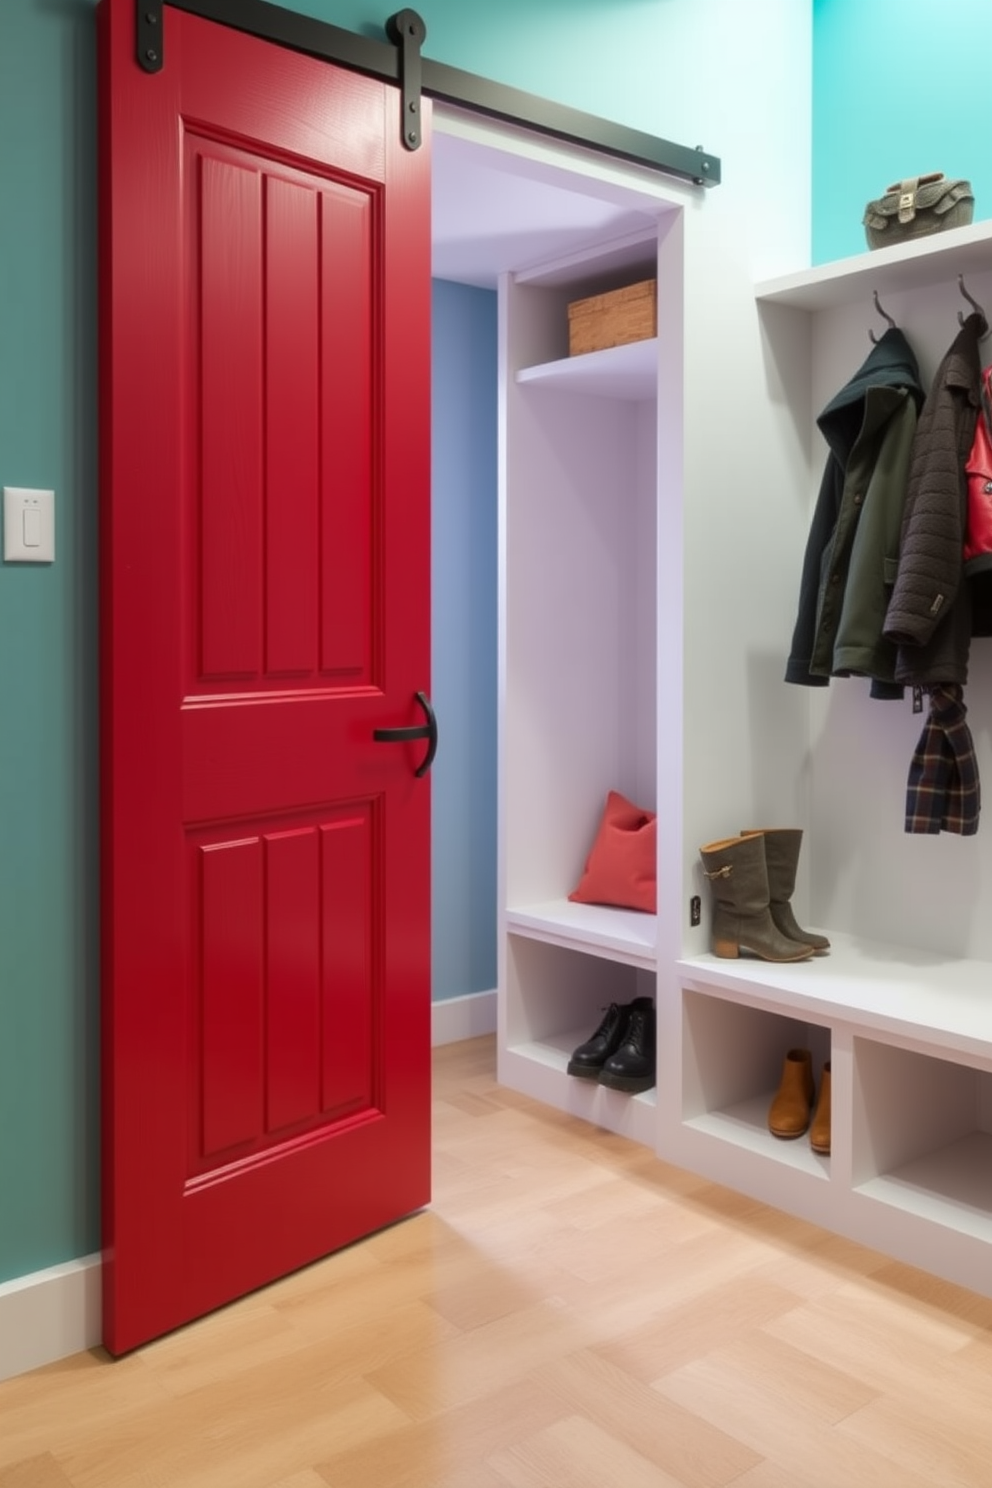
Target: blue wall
600, 55
464, 639
900, 87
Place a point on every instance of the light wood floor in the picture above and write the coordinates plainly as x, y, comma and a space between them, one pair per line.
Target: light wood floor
568, 1312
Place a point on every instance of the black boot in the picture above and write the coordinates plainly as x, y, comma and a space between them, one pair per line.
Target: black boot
632, 1067
588, 1059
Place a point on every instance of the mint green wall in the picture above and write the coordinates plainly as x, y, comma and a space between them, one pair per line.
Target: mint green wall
899, 87
642, 62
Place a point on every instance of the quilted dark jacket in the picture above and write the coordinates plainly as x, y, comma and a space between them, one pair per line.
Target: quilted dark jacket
854, 537
929, 615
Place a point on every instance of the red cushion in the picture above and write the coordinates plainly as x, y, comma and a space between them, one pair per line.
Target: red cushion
621, 868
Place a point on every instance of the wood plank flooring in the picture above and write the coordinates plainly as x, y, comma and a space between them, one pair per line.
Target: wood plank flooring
568, 1312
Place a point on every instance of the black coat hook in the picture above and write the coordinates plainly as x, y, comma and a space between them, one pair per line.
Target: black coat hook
883, 314
974, 305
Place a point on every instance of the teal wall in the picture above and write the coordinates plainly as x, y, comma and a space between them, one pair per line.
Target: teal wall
48, 737
900, 87
611, 57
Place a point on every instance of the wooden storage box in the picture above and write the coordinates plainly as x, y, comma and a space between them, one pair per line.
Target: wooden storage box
613, 319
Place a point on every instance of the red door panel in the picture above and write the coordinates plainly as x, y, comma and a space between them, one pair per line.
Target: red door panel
265, 588
292, 448
292, 1027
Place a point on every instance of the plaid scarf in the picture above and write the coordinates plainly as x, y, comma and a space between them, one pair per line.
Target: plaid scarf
943, 793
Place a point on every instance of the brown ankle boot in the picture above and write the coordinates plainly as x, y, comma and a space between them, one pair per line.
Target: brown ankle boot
819, 1132
789, 1113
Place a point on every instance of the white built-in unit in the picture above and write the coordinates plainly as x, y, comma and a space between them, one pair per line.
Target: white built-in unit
902, 1006
654, 506
580, 511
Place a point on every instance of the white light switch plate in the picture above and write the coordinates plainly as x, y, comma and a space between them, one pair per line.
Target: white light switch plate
28, 525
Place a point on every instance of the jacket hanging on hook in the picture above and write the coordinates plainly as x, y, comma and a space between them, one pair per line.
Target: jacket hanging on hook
930, 613
853, 543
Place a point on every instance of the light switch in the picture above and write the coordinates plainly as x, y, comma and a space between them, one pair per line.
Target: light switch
28, 525
32, 527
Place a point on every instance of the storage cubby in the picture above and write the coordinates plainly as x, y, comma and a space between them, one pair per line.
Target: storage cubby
732, 1057
580, 688
547, 291
580, 607
922, 1136
555, 999
572, 990
579, 497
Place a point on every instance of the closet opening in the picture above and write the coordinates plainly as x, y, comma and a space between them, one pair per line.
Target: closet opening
588, 456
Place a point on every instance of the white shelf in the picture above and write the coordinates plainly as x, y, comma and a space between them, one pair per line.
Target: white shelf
539, 1068
952, 1186
745, 1125
555, 1051
624, 935
628, 373
919, 265
932, 1002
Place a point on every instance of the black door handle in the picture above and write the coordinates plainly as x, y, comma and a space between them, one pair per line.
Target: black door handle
426, 731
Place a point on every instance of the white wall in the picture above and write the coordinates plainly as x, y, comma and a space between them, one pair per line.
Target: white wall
746, 497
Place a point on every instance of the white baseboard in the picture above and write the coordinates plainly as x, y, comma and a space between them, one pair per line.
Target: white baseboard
457, 1018
49, 1315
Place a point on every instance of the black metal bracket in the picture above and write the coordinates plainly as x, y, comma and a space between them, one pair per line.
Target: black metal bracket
407, 32
149, 35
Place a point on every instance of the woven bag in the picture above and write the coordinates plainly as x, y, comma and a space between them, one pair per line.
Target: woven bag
916, 207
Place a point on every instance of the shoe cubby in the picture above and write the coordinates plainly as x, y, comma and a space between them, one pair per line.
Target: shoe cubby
922, 1136
732, 1061
555, 1000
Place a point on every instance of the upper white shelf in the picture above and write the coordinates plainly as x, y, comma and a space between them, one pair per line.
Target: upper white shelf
918, 265
624, 935
627, 372
937, 1001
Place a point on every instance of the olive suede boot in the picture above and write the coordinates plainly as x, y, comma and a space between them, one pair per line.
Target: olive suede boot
790, 1111
742, 920
782, 846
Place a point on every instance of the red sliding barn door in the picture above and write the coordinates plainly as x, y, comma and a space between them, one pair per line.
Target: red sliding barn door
265, 582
